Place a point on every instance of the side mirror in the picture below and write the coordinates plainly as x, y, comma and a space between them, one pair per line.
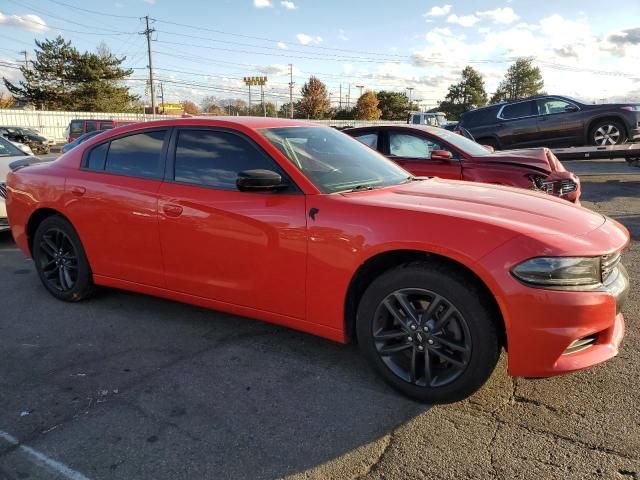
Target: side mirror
490, 148
258, 181
441, 155
571, 108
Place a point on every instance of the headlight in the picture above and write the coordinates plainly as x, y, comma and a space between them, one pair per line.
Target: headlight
560, 271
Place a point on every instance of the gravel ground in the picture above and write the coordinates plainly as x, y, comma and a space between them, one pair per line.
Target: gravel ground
126, 386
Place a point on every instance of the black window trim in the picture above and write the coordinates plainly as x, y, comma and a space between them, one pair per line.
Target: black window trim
163, 154
169, 170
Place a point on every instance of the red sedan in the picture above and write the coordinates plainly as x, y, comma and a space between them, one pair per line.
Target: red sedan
431, 151
303, 226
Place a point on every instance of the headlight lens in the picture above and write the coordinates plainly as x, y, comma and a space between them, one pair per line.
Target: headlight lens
560, 271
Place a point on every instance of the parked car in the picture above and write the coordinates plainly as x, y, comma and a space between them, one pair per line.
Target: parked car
8, 153
50, 141
25, 148
81, 139
80, 127
456, 128
300, 225
553, 121
37, 143
432, 151
435, 119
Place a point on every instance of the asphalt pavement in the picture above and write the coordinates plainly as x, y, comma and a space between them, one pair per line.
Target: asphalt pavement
126, 386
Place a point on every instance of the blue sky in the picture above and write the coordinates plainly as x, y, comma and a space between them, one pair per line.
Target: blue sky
582, 49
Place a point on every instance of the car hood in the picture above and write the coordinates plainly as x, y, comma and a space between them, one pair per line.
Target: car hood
541, 159
520, 210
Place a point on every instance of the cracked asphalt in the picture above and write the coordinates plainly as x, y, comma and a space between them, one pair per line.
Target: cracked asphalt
126, 386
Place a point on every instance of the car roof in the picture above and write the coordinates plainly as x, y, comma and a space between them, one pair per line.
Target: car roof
252, 123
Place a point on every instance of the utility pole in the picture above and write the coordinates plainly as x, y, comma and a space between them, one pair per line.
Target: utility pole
148, 31
162, 96
349, 97
291, 90
410, 92
26, 58
360, 87
340, 96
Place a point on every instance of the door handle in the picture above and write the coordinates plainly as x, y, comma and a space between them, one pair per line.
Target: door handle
78, 191
172, 210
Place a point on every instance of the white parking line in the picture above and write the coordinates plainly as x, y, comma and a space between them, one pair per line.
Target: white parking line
42, 459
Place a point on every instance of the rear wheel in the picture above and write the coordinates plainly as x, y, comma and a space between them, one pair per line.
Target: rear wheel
425, 329
608, 132
60, 260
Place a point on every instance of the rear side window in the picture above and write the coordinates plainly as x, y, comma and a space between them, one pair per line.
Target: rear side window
518, 110
91, 126
76, 127
138, 155
370, 139
97, 157
415, 119
215, 158
106, 125
483, 116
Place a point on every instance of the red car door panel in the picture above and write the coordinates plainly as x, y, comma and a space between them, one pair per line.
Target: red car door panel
228, 245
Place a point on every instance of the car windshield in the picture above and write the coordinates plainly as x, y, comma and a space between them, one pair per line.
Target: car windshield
7, 149
333, 161
460, 142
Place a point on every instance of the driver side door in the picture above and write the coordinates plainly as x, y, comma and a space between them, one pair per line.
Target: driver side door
413, 152
241, 248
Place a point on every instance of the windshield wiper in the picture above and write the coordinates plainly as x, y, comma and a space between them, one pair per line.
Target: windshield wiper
359, 188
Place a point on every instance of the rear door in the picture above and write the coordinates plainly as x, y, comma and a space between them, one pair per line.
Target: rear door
112, 200
413, 152
518, 124
560, 123
241, 248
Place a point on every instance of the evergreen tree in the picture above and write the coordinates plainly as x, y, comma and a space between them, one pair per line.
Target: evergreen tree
468, 93
521, 80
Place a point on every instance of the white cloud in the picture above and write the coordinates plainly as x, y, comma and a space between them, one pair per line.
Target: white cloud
499, 15
288, 5
347, 68
438, 11
342, 36
305, 39
262, 3
282, 45
32, 23
463, 20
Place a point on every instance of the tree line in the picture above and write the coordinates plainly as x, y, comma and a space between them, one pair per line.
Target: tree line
62, 78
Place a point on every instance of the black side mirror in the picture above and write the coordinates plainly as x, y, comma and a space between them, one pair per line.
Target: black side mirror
571, 108
259, 181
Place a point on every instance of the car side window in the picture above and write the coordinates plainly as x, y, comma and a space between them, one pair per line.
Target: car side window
416, 119
518, 110
370, 139
137, 155
215, 158
411, 146
552, 105
76, 127
91, 126
97, 157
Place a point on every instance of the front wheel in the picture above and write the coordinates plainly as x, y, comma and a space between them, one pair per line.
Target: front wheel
60, 260
608, 132
425, 328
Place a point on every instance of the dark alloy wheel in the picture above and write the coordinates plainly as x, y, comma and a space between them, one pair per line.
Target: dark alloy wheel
608, 132
421, 337
429, 329
61, 261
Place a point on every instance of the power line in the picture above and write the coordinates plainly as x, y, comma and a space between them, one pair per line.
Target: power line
91, 11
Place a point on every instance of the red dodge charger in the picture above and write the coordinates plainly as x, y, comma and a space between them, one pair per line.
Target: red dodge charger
303, 226
432, 151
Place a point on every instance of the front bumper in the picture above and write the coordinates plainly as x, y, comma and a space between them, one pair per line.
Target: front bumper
549, 323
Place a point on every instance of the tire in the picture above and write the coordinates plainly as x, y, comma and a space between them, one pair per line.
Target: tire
468, 326
607, 132
61, 261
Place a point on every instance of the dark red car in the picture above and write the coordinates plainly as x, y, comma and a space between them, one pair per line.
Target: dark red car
432, 151
300, 225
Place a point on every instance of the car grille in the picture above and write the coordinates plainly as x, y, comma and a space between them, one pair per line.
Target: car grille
3, 190
608, 265
581, 344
